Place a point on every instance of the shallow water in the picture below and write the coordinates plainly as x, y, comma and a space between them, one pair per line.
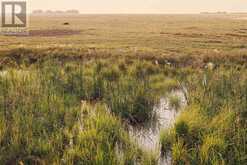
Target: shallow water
148, 136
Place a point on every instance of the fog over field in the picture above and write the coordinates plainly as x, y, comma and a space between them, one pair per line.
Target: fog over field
141, 6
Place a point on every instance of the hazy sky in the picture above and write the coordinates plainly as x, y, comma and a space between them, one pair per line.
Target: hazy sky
141, 6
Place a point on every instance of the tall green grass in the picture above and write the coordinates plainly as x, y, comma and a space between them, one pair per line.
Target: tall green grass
74, 112
42, 121
212, 129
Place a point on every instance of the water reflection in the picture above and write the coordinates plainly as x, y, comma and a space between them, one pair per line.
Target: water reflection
147, 136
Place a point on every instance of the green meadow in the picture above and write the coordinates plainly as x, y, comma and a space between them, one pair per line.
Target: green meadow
70, 93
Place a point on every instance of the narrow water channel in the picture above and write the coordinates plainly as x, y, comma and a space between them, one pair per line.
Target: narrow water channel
147, 137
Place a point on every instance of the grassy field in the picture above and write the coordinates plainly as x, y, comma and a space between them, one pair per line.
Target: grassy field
174, 36
69, 92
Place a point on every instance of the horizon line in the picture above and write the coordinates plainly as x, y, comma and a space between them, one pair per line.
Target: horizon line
137, 13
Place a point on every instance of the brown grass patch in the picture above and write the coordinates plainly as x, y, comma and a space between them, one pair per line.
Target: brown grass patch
53, 32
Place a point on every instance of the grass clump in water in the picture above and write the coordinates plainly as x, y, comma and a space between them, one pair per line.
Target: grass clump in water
132, 100
174, 102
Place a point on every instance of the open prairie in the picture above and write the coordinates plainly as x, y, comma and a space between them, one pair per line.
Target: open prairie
125, 89
158, 35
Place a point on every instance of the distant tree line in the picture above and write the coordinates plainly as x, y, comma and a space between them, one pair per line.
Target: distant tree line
55, 12
218, 12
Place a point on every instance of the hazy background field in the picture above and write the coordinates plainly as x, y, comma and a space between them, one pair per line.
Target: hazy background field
201, 34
